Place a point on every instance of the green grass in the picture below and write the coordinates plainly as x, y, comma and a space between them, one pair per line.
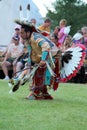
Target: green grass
68, 110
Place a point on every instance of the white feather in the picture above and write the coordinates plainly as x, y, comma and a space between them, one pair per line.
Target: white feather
68, 69
75, 55
21, 13
77, 48
76, 58
62, 73
73, 63
67, 30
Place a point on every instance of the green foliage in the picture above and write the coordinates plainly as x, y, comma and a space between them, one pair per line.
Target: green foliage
74, 11
68, 110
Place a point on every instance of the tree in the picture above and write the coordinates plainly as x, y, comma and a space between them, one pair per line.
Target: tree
74, 11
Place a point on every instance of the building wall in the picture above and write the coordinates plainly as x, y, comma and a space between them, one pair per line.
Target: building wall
9, 11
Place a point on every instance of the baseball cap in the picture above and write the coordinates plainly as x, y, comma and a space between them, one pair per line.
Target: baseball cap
17, 27
77, 36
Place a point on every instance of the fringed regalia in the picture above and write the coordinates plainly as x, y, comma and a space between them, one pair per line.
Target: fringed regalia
42, 77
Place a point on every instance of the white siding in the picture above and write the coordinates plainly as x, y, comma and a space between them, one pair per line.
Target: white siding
9, 11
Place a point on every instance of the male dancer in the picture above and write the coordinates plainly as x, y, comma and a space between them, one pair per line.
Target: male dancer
42, 52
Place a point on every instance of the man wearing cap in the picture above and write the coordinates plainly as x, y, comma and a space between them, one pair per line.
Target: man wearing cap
14, 51
77, 38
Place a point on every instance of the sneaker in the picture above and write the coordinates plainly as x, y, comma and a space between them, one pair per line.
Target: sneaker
6, 78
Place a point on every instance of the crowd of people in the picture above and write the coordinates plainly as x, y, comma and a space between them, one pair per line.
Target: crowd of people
18, 53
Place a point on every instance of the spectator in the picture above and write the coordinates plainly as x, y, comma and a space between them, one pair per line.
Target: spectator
45, 27
14, 51
61, 34
67, 43
54, 35
56, 30
84, 31
54, 39
17, 33
78, 38
17, 30
33, 21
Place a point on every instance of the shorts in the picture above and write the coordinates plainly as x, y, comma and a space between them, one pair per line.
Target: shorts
10, 60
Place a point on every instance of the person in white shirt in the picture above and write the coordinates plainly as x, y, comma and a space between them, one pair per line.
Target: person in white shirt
14, 51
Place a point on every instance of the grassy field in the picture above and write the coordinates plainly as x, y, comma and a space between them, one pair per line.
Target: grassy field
68, 110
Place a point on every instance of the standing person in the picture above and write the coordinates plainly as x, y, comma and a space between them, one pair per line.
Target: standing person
84, 32
54, 35
61, 34
56, 31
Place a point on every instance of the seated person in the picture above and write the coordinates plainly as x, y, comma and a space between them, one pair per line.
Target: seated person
14, 51
67, 43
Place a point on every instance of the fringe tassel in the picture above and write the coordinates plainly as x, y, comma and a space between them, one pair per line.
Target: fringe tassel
53, 65
50, 70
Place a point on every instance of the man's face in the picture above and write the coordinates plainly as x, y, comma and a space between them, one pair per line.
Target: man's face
25, 35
